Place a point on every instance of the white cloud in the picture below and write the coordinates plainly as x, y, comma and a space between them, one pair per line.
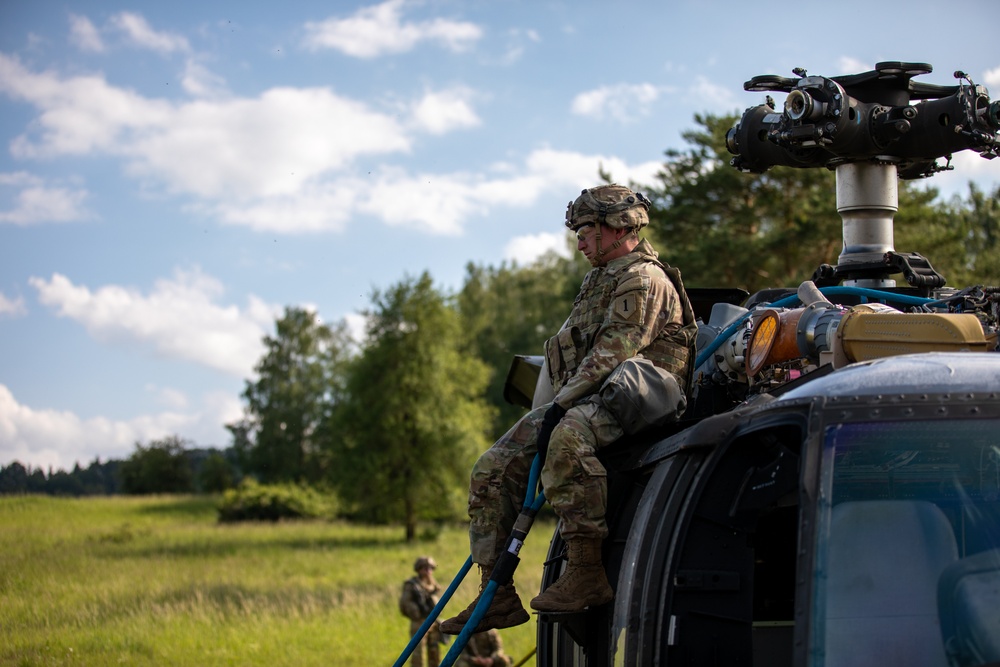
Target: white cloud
84, 35
526, 249
439, 204
199, 81
357, 326
440, 112
282, 162
379, 30
968, 166
168, 397
35, 202
991, 78
140, 33
703, 93
517, 40
245, 148
569, 168
272, 146
58, 438
178, 319
623, 102
850, 65
319, 207
444, 203
78, 115
11, 307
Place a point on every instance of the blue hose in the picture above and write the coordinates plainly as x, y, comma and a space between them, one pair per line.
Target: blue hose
532, 503
431, 617
877, 294
484, 601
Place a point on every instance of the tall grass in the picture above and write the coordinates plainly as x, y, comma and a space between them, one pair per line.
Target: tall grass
157, 581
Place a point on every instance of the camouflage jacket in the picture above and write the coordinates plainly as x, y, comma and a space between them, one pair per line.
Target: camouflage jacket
635, 305
416, 600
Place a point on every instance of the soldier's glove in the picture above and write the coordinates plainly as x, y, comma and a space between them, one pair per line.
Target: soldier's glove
553, 416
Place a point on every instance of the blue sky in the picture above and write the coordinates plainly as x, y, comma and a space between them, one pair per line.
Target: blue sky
172, 175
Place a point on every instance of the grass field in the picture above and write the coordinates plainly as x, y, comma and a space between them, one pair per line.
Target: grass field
156, 581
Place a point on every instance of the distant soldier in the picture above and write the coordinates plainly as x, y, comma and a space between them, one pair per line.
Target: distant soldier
420, 594
631, 316
485, 649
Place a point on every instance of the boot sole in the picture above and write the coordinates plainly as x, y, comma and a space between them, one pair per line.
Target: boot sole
451, 628
488, 623
572, 606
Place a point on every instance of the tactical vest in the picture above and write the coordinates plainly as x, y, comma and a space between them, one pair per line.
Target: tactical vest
673, 349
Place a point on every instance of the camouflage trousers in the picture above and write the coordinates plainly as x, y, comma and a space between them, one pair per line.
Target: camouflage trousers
575, 482
432, 640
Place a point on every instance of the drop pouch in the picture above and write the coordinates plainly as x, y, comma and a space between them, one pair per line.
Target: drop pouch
641, 395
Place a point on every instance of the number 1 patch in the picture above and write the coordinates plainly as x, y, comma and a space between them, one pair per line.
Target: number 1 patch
627, 307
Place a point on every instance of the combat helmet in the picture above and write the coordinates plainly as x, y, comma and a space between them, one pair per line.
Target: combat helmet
424, 561
613, 205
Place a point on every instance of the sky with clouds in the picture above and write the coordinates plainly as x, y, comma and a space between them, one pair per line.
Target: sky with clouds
173, 175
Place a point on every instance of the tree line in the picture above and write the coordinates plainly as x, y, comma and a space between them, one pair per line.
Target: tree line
392, 423
168, 465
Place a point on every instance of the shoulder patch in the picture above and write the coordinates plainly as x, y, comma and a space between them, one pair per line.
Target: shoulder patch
629, 303
628, 307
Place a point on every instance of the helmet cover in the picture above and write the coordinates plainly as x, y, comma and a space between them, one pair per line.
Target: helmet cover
614, 205
424, 561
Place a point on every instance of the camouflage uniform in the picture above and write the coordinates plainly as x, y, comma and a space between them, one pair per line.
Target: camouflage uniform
484, 645
634, 305
416, 601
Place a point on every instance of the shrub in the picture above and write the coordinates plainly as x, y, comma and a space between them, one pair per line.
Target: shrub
252, 501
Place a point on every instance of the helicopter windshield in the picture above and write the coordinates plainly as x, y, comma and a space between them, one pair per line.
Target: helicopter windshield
908, 544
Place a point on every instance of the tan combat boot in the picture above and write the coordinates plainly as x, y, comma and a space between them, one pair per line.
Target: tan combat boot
505, 610
583, 584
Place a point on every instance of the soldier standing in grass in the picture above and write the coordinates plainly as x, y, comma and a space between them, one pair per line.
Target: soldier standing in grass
420, 594
631, 312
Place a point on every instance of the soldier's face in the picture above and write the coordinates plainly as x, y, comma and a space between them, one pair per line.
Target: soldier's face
586, 242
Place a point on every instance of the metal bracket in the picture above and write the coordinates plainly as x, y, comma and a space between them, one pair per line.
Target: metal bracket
916, 269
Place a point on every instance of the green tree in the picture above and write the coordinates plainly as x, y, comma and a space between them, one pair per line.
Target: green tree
924, 225
98, 478
13, 479
62, 483
160, 467
513, 310
413, 419
978, 220
299, 381
215, 474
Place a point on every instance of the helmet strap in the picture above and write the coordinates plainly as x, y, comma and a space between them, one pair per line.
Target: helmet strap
614, 246
597, 240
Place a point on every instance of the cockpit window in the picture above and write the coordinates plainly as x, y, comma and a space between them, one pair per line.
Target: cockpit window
908, 544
